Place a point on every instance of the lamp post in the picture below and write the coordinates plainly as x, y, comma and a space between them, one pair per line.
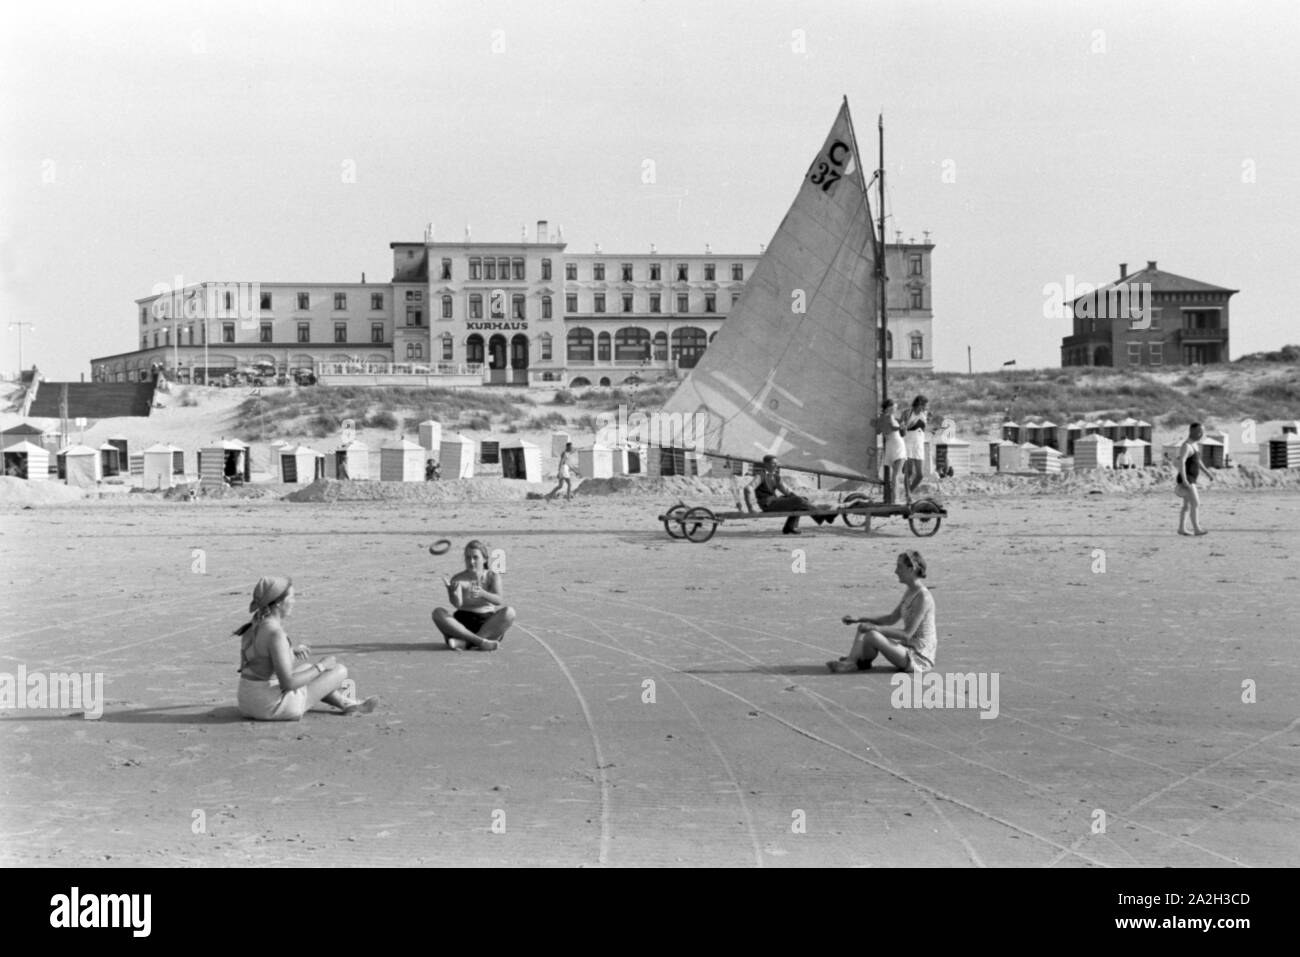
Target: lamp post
19, 326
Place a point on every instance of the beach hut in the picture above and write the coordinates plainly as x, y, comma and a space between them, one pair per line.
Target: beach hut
596, 462
489, 452
110, 461
430, 435
521, 460
122, 444
300, 465
352, 461
627, 460
1045, 459
1212, 452
1092, 427
1094, 452
278, 448
401, 461
1138, 452
158, 469
1281, 451
81, 466
558, 441
22, 433
953, 454
456, 456
178, 461
1013, 457
1044, 434
27, 460
224, 462
1074, 431
1111, 430
995, 452
1128, 428
1010, 432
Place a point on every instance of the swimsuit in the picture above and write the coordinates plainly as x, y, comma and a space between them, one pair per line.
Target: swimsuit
894, 448
1192, 468
914, 437
260, 697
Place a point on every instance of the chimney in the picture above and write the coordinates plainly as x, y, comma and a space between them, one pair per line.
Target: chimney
597, 248
708, 249
1151, 264
653, 249
363, 279
542, 235
1123, 270
523, 233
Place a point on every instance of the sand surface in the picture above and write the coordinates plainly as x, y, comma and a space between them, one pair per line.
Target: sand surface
1121, 688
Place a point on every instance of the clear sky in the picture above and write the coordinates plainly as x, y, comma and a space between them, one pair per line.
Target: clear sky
1036, 141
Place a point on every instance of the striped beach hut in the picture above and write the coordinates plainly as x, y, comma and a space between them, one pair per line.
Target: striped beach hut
26, 460
1281, 451
1094, 452
401, 461
1111, 430
1045, 459
952, 454
1011, 432
456, 456
225, 461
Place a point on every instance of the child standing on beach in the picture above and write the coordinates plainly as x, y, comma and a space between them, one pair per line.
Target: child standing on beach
909, 648
481, 616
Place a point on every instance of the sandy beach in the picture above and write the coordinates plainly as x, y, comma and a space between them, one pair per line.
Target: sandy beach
661, 702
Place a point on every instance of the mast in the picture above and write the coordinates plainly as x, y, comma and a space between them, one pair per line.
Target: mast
880, 269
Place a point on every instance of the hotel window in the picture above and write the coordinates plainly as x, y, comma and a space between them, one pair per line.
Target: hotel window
476, 306
517, 307
474, 349
265, 333
489, 269
683, 302
1157, 353
661, 346
1135, 353
476, 268
738, 272
915, 299
227, 301
627, 302
419, 349
571, 302
580, 344
304, 300
266, 300
655, 300
446, 269
918, 345
735, 297
376, 332
602, 347
414, 295
304, 331
710, 272
631, 344
1155, 319
599, 302
546, 269
517, 265
376, 301
155, 338
144, 341
340, 301
710, 302
598, 271
414, 317
654, 271
144, 315
570, 270
546, 348
340, 332
448, 349
446, 307
546, 307
189, 335
914, 266
683, 272
503, 267
627, 272
227, 332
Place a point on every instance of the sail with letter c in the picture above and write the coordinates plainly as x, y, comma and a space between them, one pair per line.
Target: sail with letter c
792, 371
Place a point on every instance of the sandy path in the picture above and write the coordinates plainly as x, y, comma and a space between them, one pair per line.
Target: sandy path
1119, 690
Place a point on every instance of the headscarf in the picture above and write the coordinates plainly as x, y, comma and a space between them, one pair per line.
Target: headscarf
266, 593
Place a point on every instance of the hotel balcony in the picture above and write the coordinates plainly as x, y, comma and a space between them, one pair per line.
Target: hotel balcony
1192, 334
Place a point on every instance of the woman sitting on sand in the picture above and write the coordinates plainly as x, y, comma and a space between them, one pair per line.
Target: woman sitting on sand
272, 687
909, 648
481, 616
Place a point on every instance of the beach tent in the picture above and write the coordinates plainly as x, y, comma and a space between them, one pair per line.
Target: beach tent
1074, 431
558, 441
1094, 452
110, 459
401, 461
224, 461
1045, 459
27, 461
158, 466
1010, 432
1043, 433
300, 465
521, 460
81, 466
456, 456
1138, 452
352, 461
953, 454
1111, 430
596, 462
430, 435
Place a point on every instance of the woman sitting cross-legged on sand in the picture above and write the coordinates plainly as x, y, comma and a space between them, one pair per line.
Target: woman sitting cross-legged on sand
278, 682
909, 648
481, 616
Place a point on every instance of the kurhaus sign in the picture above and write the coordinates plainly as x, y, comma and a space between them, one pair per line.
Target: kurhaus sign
497, 326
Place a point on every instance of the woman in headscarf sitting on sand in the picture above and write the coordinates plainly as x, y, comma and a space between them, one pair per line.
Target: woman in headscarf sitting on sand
481, 616
278, 682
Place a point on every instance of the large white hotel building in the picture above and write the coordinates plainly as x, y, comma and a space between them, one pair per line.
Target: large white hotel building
527, 313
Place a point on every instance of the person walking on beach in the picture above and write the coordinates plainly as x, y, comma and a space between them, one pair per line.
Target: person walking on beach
564, 474
772, 495
1189, 469
909, 648
889, 429
914, 444
481, 616
279, 682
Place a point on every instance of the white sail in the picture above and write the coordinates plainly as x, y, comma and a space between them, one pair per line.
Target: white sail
792, 371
